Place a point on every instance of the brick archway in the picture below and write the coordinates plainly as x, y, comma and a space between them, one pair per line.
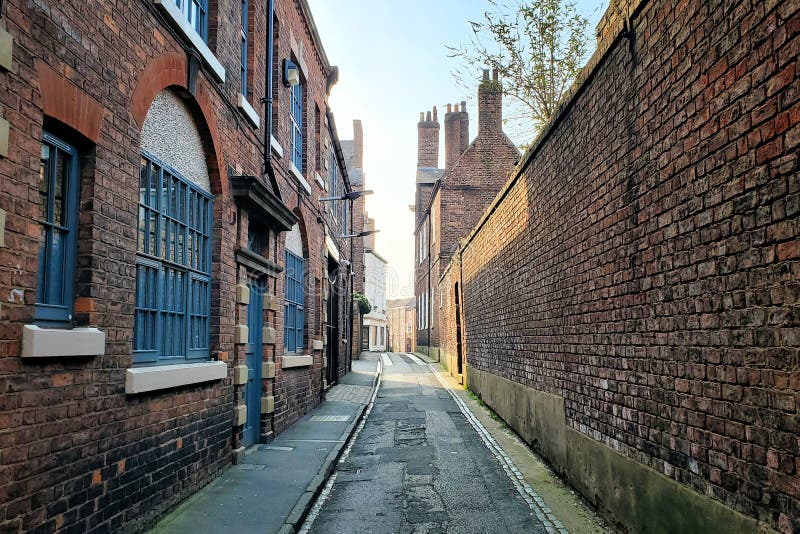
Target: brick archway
171, 70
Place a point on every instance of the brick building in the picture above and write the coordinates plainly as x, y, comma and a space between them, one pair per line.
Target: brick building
450, 201
373, 324
629, 301
168, 277
353, 150
401, 318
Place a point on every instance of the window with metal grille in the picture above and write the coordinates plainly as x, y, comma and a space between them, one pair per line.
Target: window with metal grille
59, 183
196, 12
294, 314
296, 114
173, 267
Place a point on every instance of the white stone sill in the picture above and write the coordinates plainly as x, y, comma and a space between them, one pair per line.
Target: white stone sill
249, 111
173, 12
276, 146
38, 342
297, 361
299, 175
144, 379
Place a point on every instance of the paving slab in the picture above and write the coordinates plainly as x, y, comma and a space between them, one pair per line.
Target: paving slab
273, 487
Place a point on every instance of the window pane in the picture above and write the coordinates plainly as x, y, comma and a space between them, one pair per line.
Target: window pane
179, 307
44, 183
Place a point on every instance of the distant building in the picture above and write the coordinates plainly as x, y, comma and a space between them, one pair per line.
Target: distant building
353, 150
450, 201
374, 323
401, 320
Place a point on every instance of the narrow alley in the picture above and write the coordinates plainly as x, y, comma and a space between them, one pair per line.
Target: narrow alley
419, 465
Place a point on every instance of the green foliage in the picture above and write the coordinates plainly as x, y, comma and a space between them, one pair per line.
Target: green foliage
537, 46
364, 307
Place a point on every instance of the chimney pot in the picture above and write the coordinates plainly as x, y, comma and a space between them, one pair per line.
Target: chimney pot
428, 140
435, 117
449, 108
486, 75
490, 106
495, 75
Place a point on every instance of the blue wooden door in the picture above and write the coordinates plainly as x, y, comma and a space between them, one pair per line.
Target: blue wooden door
252, 394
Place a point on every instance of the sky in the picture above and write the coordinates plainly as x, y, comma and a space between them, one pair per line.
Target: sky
393, 64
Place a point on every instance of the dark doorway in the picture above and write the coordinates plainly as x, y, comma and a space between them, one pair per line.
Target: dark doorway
364, 338
255, 356
459, 350
332, 325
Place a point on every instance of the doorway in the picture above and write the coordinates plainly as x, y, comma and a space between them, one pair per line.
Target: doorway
254, 356
332, 325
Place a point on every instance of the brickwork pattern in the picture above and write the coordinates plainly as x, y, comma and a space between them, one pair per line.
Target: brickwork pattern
76, 452
644, 264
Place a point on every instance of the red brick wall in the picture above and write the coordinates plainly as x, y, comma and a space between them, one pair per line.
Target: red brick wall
644, 263
75, 451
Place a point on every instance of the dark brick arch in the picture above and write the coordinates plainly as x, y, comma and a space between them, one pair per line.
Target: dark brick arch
170, 70
67, 103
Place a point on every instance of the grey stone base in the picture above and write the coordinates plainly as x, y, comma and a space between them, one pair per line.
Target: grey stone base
629, 493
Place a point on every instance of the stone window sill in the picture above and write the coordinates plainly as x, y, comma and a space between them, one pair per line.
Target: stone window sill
144, 379
40, 342
299, 175
297, 361
249, 111
171, 9
276, 146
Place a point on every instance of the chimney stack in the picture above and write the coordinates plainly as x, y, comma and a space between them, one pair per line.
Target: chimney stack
428, 140
456, 132
490, 105
358, 144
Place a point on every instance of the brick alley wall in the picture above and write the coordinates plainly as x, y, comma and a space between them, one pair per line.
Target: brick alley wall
641, 266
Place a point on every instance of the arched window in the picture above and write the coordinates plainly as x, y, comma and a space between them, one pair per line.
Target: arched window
173, 261
294, 309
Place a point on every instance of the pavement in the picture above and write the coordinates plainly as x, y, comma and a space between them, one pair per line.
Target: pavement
422, 464
275, 486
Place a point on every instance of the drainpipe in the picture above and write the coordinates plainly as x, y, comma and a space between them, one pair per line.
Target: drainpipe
267, 101
351, 279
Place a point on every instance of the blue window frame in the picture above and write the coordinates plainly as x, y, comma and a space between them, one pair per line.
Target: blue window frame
59, 183
296, 107
245, 36
293, 309
173, 267
196, 12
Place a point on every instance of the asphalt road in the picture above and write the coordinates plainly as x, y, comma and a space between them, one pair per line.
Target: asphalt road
418, 466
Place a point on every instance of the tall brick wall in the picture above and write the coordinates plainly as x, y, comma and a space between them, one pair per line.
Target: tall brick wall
643, 262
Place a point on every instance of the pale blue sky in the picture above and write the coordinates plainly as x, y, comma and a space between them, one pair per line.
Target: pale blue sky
393, 64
